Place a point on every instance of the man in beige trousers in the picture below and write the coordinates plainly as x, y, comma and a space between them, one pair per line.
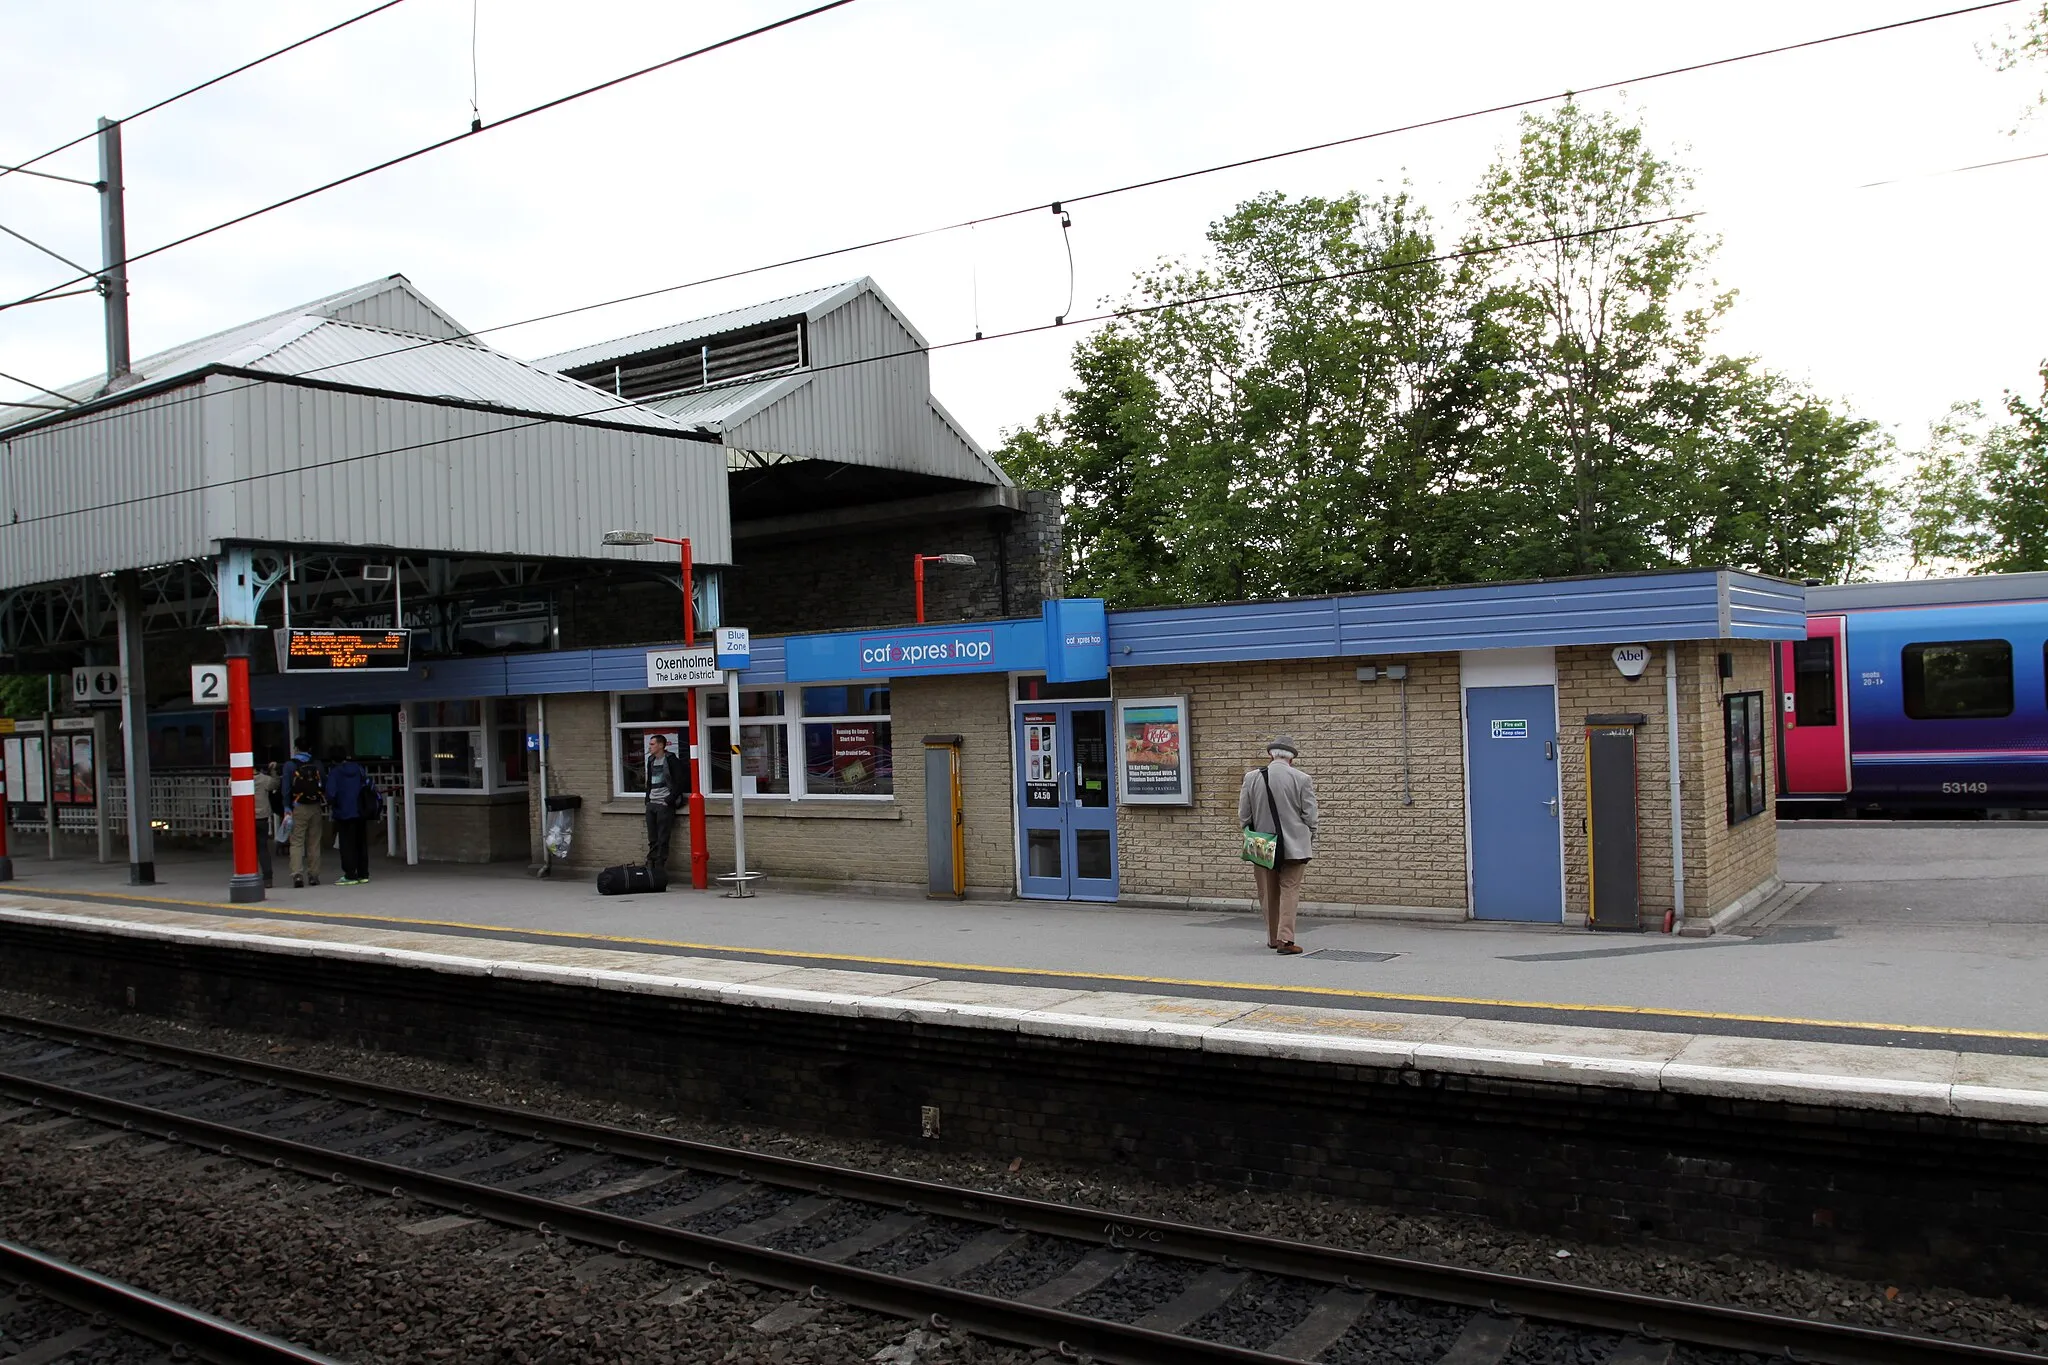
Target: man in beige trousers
1281, 799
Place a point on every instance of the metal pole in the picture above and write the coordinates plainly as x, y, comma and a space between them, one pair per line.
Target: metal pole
135, 732
6, 862
540, 758
247, 882
50, 781
408, 777
739, 809
114, 251
100, 750
700, 841
1677, 788
917, 576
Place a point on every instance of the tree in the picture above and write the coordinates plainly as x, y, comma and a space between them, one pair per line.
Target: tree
24, 696
1602, 318
2025, 43
1977, 498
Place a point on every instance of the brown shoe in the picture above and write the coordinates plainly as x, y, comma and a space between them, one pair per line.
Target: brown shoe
1288, 949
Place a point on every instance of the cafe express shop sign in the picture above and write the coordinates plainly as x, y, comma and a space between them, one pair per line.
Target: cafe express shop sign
1069, 642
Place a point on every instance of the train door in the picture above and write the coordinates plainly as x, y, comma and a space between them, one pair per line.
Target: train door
1813, 710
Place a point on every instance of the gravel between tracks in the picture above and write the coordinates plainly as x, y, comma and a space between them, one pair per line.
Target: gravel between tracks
1747, 1282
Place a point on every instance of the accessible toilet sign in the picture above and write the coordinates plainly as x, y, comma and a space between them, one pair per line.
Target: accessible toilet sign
685, 666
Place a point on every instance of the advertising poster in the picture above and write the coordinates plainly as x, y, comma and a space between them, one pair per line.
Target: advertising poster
1041, 759
60, 769
853, 754
1153, 751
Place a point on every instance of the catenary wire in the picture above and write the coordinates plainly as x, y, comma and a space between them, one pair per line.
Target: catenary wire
193, 90
1955, 170
473, 130
1141, 310
970, 223
1091, 195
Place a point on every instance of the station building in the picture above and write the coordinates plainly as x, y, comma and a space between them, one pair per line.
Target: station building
1591, 750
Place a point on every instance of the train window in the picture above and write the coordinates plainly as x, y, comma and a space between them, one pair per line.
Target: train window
1813, 681
1958, 679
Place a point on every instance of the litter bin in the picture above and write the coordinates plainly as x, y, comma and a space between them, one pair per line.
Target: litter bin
561, 831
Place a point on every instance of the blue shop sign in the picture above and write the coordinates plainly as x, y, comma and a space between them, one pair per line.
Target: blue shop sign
1068, 643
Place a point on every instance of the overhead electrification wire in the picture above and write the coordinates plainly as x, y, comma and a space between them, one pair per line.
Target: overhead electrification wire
1041, 205
39, 389
1142, 310
473, 130
193, 90
1955, 170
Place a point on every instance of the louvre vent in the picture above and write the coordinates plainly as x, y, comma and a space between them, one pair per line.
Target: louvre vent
695, 365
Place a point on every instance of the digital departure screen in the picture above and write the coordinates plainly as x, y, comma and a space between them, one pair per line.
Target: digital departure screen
314, 650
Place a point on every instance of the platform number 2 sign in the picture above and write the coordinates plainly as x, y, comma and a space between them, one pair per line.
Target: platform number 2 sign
210, 684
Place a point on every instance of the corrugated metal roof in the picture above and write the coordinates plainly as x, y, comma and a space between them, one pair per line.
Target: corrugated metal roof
714, 409
814, 303
314, 341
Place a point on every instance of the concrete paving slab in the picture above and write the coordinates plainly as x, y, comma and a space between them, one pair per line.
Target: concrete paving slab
995, 994
2000, 1071
828, 981
1154, 1009
705, 968
1847, 1060
1310, 1022
1564, 1040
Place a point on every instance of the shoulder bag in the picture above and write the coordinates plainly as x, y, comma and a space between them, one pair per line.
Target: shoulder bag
1263, 850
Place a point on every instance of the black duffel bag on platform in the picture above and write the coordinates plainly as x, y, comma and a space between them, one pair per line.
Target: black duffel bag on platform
626, 879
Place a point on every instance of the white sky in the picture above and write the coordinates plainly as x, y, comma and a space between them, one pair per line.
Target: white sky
891, 115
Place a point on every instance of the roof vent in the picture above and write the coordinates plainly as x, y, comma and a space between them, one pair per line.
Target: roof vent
376, 573
755, 353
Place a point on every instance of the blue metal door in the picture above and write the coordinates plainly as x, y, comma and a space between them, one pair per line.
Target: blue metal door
1511, 757
1066, 801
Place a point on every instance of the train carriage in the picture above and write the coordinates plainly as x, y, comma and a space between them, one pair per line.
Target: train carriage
1931, 693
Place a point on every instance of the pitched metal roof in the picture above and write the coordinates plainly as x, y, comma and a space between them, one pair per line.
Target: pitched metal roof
812, 304
332, 340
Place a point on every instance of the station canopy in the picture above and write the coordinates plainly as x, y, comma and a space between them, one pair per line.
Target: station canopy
365, 424
823, 403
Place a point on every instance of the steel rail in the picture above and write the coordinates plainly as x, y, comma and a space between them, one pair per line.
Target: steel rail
985, 1315
162, 1321
1504, 1294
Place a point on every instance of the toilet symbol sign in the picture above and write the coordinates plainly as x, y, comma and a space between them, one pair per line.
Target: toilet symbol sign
95, 685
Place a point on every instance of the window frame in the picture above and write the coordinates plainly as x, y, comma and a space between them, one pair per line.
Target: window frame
483, 737
790, 719
1750, 797
1913, 679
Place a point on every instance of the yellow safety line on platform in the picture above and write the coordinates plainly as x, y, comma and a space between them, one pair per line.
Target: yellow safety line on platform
1344, 992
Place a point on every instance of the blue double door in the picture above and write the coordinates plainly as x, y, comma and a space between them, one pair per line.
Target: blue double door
1066, 801
1512, 794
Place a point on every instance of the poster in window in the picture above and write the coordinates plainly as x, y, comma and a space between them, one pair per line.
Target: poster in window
78, 776
1743, 725
1041, 759
60, 769
853, 754
1754, 706
1153, 751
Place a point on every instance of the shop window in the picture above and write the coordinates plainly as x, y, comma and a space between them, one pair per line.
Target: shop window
1813, 681
1745, 764
764, 743
1958, 679
848, 742
636, 718
468, 746
508, 743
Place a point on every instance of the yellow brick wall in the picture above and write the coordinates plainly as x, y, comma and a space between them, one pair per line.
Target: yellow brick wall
863, 842
1373, 849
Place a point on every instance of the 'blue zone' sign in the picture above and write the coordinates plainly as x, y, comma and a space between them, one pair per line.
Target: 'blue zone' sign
1068, 643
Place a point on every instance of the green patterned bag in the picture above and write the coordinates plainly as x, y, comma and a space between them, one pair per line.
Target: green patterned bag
1263, 850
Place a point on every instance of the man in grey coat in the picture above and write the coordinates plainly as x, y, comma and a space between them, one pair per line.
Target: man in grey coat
1290, 812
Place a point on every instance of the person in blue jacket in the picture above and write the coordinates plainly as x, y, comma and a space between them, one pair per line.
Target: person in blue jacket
352, 802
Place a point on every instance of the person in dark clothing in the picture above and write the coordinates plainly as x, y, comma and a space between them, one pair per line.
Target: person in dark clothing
667, 784
269, 815
351, 803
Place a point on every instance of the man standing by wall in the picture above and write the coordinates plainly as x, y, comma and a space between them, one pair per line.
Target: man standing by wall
666, 785
1280, 799
352, 802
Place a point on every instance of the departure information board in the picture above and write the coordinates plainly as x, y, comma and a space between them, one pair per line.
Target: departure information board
315, 650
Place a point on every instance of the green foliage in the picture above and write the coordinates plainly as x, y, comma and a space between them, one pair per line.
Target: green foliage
1977, 497
24, 696
2025, 43
1328, 401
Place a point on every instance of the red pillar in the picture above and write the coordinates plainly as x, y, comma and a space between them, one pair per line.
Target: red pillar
247, 883
700, 839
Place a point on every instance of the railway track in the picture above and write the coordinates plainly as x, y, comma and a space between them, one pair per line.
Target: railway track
1085, 1283
51, 1312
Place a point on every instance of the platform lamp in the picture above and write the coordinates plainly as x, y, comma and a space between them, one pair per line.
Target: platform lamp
700, 844
917, 572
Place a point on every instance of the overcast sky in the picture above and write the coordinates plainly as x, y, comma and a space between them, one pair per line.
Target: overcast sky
892, 115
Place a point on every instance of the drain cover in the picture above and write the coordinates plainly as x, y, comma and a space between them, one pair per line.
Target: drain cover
1347, 955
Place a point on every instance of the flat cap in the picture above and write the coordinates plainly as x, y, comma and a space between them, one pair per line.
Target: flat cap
1284, 744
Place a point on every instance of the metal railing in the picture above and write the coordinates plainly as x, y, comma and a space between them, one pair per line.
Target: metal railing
184, 803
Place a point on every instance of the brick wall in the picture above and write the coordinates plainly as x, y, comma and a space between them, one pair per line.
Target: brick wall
1900, 1198
1374, 848
1723, 862
859, 842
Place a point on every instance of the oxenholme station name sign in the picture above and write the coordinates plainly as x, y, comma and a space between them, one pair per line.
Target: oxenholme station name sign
1068, 643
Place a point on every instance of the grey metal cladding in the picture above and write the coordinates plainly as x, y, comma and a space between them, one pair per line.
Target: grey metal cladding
400, 310
1763, 608
1931, 592
111, 493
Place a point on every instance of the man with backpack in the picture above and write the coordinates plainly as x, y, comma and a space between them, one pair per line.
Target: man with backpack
305, 785
352, 801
